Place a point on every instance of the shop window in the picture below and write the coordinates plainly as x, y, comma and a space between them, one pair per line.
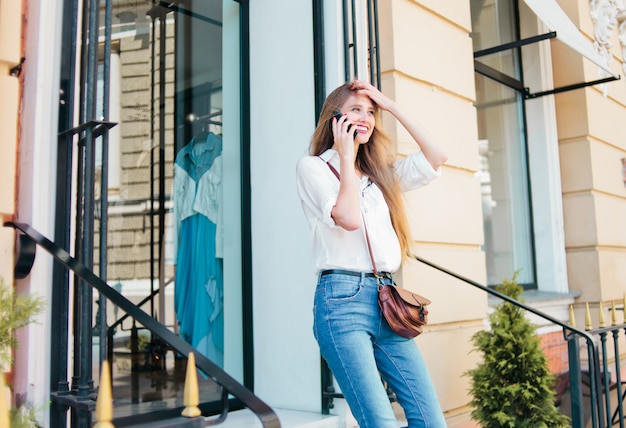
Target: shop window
173, 218
506, 199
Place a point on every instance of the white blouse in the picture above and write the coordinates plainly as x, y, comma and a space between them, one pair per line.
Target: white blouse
333, 246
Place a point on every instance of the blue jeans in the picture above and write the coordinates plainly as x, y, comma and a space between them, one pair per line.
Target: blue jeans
360, 347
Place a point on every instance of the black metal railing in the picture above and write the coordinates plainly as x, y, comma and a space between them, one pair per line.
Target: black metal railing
597, 375
595, 395
613, 388
350, 23
228, 384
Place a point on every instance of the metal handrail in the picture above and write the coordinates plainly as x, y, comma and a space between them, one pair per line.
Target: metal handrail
509, 299
570, 334
265, 413
139, 304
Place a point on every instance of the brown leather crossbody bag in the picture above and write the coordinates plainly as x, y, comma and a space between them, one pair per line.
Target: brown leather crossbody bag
405, 311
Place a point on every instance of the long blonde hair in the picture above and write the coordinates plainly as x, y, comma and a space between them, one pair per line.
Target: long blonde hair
375, 159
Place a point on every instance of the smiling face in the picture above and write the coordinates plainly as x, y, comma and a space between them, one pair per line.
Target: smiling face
362, 113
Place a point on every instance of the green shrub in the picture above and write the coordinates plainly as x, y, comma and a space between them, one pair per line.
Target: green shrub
24, 417
512, 387
16, 311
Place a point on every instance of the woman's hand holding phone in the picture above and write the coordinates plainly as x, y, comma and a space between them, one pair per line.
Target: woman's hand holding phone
338, 115
343, 136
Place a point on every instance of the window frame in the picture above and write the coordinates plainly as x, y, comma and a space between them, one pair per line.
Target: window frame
541, 145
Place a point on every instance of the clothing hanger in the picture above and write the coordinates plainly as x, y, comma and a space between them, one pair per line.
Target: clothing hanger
206, 122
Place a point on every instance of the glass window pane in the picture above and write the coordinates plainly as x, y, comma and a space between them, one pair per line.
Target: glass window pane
494, 25
504, 183
502, 147
168, 194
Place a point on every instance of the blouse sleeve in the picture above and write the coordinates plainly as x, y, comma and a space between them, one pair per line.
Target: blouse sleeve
415, 171
316, 189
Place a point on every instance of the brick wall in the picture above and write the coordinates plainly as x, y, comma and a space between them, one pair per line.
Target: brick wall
129, 223
555, 348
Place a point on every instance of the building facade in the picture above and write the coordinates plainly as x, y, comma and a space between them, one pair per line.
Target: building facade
104, 103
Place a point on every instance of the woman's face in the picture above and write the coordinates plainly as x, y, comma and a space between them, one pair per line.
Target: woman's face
362, 114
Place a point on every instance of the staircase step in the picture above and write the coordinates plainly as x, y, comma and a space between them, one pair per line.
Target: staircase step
291, 419
288, 419
179, 422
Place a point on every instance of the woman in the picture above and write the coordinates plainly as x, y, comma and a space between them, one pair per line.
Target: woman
355, 340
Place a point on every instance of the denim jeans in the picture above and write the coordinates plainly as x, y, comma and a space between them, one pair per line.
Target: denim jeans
360, 347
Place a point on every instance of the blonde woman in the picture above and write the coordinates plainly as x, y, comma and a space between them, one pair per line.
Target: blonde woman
366, 187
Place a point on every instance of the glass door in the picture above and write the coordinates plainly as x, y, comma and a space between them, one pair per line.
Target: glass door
171, 175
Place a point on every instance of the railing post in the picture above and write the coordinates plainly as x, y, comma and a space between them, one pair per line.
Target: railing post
595, 385
104, 403
606, 378
618, 414
575, 382
191, 396
328, 389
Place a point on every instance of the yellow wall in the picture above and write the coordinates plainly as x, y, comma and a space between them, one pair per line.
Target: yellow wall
10, 50
427, 67
592, 141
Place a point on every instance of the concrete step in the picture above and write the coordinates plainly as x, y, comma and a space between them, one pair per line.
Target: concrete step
288, 419
292, 419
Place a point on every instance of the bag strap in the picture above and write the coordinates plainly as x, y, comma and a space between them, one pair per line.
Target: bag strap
367, 237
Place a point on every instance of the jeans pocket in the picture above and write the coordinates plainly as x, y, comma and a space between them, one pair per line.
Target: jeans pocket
342, 289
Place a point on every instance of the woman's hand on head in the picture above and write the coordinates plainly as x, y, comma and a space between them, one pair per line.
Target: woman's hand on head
432, 151
364, 87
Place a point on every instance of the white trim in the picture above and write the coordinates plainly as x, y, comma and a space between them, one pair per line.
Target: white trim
37, 167
361, 42
557, 20
333, 44
544, 165
115, 134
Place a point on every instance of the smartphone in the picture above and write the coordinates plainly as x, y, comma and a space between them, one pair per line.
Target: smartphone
337, 115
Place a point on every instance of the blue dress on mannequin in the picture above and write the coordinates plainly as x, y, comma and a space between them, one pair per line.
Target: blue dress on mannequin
199, 287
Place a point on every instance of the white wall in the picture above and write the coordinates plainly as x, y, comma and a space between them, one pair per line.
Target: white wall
282, 106
543, 156
36, 185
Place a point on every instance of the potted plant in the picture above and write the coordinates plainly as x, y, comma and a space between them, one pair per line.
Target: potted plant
512, 387
16, 311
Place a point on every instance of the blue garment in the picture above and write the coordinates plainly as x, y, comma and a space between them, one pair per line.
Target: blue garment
198, 156
360, 347
199, 288
199, 292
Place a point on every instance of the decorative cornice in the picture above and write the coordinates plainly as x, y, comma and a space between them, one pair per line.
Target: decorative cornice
606, 15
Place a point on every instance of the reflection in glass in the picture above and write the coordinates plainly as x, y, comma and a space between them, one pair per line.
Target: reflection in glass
502, 148
165, 230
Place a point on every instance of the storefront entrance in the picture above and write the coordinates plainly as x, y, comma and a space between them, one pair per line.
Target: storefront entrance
152, 184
